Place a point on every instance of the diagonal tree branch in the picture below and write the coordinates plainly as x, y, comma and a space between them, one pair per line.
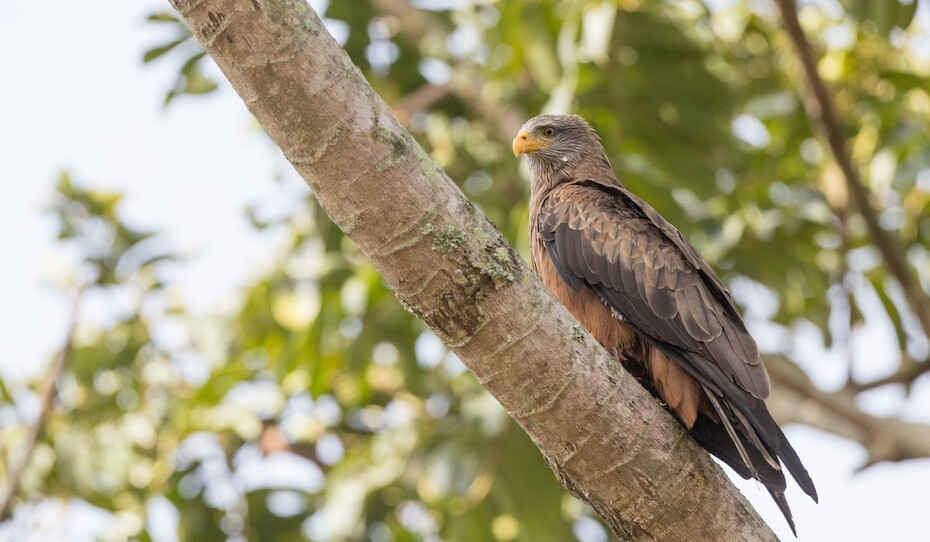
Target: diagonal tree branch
822, 112
419, 100
909, 372
606, 438
797, 399
46, 394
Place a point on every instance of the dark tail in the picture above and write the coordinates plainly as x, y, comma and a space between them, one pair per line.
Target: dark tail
745, 437
746, 458
782, 502
791, 460
776, 441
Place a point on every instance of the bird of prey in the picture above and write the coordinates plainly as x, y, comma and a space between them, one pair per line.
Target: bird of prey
640, 288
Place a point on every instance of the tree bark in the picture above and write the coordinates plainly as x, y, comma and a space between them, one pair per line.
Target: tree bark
607, 440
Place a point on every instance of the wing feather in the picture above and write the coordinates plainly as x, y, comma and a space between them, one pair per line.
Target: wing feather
661, 300
603, 239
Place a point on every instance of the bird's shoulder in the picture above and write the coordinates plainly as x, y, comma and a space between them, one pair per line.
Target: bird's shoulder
610, 211
583, 206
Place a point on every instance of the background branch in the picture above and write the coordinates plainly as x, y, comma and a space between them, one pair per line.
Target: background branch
468, 86
798, 400
822, 112
46, 394
420, 99
907, 374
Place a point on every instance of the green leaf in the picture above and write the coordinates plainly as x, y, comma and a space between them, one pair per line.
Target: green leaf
191, 63
156, 52
162, 17
5, 394
197, 83
884, 14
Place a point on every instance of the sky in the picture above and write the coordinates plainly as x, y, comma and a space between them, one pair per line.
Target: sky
91, 108
76, 97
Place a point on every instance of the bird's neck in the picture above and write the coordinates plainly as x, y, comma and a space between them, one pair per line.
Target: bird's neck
549, 174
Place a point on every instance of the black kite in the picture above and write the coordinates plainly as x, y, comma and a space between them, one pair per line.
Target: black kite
642, 290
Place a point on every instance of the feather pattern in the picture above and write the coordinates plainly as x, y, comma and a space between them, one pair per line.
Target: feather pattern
639, 266
639, 270
642, 290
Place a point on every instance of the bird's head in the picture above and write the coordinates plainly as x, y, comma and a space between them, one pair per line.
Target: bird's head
554, 142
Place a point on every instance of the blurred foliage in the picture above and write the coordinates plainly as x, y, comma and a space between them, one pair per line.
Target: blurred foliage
191, 79
321, 410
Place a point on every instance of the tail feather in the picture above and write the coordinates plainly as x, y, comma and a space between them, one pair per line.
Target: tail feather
719, 443
735, 440
756, 441
750, 439
791, 460
778, 442
747, 437
710, 436
782, 502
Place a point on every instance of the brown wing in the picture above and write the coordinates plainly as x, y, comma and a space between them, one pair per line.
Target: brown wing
602, 238
677, 388
645, 270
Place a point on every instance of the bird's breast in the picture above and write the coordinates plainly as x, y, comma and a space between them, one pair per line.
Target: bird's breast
584, 304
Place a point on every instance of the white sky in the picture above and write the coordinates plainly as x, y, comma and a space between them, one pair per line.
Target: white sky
75, 96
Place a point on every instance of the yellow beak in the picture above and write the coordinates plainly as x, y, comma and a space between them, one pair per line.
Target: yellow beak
525, 143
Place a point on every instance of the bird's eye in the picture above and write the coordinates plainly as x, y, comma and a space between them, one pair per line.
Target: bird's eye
548, 132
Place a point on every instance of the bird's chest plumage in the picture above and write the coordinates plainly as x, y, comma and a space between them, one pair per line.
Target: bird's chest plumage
584, 304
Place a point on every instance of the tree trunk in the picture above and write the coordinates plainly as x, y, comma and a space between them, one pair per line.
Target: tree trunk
607, 440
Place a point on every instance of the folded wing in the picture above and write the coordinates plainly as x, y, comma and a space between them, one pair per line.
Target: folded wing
600, 236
